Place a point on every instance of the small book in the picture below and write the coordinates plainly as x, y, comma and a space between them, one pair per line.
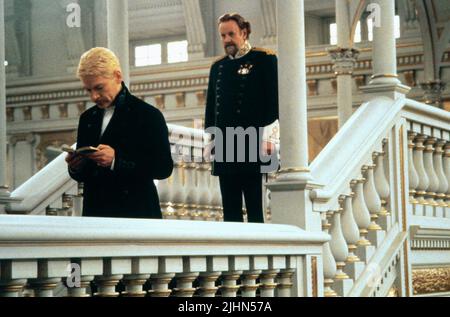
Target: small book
81, 150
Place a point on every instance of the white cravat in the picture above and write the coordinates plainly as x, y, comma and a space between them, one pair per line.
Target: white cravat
107, 118
109, 112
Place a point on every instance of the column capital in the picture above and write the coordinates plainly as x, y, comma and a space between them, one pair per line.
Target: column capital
433, 92
344, 60
343, 53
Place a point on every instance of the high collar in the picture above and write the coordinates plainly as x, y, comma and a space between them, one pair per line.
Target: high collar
244, 50
119, 101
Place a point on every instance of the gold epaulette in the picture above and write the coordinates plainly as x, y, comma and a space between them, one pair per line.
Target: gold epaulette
264, 50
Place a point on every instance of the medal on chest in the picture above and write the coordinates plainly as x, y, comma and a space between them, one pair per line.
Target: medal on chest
245, 69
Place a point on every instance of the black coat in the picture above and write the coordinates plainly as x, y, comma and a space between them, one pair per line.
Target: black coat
139, 135
243, 93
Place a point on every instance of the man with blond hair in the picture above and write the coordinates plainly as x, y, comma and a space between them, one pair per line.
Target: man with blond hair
132, 141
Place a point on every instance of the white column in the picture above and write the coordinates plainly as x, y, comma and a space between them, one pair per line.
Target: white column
118, 39
384, 56
344, 58
292, 90
3, 180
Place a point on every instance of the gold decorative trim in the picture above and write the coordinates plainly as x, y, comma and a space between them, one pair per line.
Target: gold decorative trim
403, 199
431, 280
384, 75
315, 284
294, 170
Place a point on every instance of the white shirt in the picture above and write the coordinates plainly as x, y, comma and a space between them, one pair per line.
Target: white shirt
109, 112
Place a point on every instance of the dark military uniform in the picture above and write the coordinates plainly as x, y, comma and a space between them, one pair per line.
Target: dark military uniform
242, 92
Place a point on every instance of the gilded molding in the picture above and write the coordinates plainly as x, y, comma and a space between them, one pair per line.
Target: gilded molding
431, 280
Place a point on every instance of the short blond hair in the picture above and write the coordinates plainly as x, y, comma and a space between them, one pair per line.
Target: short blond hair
98, 62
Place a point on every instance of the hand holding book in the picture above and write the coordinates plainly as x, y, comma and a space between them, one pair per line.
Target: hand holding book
81, 151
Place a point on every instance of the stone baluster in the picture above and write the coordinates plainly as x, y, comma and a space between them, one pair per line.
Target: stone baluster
85, 282
339, 249
447, 174
67, 205
236, 266
360, 211
350, 228
213, 199
114, 270
167, 268
160, 284
285, 284
78, 201
217, 198
229, 287
85, 270
12, 288
433, 185
329, 263
50, 273
44, 287
268, 278
424, 182
106, 285
267, 283
165, 193
412, 173
371, 197
141, 270
249, 285
338, 244
179, 190
190, 205
438, 159
204, 194
134, 285
14, 275
381, 182
250, 276
207, 280
192, 266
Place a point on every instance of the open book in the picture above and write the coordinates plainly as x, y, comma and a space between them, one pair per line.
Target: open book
81, 150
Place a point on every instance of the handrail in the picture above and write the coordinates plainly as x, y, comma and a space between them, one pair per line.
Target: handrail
161, 237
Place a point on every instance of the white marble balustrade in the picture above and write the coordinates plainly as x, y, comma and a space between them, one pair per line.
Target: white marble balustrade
153, 258
427, 172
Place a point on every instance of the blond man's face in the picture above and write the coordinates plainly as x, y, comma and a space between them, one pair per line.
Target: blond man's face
103, 90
